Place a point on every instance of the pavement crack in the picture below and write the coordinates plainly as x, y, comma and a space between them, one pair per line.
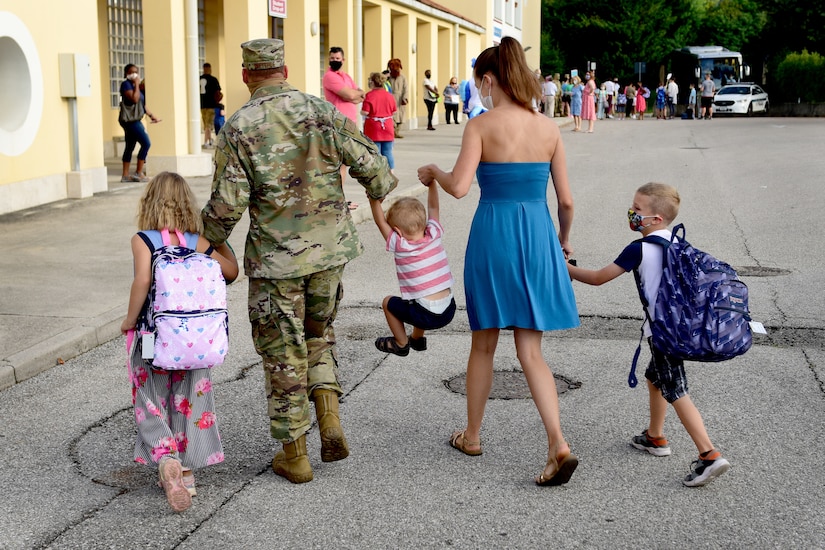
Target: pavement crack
812, 367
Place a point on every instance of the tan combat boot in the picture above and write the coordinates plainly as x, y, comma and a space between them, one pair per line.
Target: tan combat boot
333, 443
292, 463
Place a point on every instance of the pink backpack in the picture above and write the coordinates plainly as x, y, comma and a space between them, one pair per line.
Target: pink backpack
187, 301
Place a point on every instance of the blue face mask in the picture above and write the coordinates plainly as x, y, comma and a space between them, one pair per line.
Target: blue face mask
635, 220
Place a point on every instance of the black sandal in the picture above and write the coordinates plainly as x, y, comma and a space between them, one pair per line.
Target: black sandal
387, 344
418, 344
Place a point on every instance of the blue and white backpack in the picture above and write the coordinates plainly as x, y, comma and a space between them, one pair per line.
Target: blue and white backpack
701, 309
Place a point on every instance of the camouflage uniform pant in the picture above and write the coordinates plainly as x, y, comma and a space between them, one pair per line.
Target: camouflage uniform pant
292, 332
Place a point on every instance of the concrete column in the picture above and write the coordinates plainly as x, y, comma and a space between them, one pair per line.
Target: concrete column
403, 37
446, 56
427, 58
243, 20
302, 48
167, 90
377, 40
340, 32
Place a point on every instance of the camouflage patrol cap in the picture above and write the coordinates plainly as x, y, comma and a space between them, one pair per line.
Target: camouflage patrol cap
263, 53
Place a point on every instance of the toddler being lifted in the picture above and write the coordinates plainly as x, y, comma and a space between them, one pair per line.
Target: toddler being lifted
413, 235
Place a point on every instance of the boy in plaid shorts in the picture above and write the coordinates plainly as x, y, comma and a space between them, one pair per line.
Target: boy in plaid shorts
655, 206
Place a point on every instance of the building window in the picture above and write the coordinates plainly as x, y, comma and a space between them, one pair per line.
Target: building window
518, 10
498, 10
201, 36
125, 42
508, 12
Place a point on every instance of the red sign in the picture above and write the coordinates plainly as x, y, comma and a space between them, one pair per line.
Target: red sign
277, 8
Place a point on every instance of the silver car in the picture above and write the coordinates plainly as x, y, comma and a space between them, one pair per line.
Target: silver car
743, 98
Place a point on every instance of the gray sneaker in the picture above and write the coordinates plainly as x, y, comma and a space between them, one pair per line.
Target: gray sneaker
705, 471
644, 443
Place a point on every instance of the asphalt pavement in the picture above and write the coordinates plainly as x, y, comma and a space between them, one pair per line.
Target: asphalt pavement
66, 429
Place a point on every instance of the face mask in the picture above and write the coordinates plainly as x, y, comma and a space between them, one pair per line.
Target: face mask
335, 65
486, 100
636, 220
587, 77
133, 76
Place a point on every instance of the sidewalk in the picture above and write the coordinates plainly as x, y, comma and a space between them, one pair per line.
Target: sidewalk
67, 269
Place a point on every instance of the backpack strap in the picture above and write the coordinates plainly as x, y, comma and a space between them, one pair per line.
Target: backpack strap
145, 238
632, 381
164, 234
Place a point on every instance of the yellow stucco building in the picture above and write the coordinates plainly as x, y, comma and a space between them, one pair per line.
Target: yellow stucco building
61, 65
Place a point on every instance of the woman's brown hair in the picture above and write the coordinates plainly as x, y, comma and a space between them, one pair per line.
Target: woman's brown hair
509, 65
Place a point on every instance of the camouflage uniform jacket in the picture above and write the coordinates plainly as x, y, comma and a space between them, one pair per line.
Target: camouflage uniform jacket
280, 155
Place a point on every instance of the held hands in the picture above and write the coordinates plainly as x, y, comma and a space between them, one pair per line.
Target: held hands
426, 174
567, 249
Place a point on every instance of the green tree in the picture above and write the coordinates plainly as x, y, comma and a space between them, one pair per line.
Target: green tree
731, 23
809, 89
617, 33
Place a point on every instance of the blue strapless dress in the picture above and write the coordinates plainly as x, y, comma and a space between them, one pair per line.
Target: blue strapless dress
514, 269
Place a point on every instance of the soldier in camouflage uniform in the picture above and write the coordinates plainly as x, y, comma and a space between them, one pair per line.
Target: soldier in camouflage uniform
279, 156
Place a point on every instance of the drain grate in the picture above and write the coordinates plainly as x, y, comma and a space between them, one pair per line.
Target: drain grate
509, 384
759, 271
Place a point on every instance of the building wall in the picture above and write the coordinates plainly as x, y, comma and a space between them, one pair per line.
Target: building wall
420, 34
37, 172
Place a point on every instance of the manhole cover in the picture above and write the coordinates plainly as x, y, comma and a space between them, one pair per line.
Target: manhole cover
759, 271
509, 384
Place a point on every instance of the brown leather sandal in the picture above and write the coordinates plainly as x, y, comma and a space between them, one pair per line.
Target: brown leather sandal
460, 442
562, 470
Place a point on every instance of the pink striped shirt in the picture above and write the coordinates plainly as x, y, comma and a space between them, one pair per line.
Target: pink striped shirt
421, 266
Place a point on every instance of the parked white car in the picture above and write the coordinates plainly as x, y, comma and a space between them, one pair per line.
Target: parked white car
742, 98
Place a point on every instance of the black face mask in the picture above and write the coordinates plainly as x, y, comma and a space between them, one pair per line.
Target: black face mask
335, 65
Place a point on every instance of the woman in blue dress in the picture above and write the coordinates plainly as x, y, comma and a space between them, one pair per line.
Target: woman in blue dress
576, 103
523, 286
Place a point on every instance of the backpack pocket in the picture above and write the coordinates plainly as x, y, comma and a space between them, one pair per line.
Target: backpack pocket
196, 341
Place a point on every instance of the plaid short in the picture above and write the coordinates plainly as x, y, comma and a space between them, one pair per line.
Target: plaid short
667, 374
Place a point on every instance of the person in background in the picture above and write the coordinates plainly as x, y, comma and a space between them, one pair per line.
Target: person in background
661, 101
576, 90
707, 89
211, 95
691, 105
588, 109
301, 236
430, 98
134, 132
386, 76
378, 108
220, 117
549, 92
399, 91
641, 100
672, 96
340, 88
451, 100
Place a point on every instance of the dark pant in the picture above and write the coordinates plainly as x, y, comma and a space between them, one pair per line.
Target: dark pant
135, 133
430, 111
452, 108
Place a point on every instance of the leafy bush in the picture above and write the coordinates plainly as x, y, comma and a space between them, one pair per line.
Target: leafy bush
801, 77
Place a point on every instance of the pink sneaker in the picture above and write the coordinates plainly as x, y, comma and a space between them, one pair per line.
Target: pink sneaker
171, 478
